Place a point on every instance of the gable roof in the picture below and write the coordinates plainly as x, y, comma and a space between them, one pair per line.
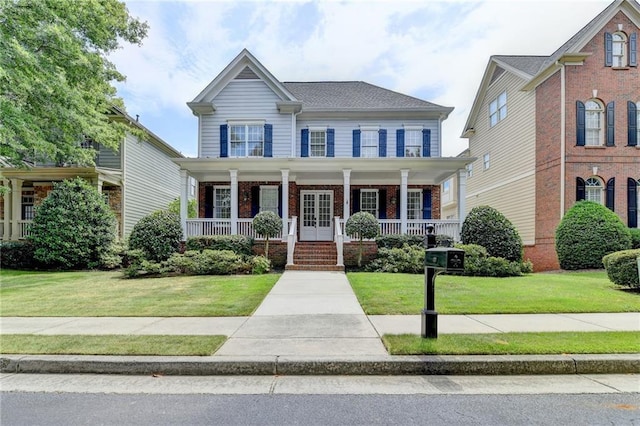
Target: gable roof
536, 69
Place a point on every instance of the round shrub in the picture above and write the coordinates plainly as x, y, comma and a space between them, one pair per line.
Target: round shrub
622, 267
635, 238
478, 263
16, 255
72, 227
407, 259
489, 228
399, 240
588, 232
362, 225
158, 235
269, 225
260, 265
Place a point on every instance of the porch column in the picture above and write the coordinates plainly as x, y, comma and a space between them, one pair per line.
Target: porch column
184, 202
462, 195
404, 185
6, 220
16, 208
233, 173
346, 187
285, 203
97, 182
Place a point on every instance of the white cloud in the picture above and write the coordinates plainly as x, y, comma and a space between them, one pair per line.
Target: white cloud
433, 50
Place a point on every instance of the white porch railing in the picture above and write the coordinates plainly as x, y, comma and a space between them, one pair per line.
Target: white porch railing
23, 228
292, 237
450, 227
202, 227
339, 239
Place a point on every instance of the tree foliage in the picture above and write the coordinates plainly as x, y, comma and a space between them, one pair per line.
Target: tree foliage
55, 78
362, 225
192, 208
268, 225
588, 232
72, 227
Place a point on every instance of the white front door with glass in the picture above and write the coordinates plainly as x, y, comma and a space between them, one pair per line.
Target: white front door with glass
316, 213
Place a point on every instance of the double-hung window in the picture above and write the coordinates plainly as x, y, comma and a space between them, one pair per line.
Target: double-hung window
269, 199
414, 204
593, 190
369, 201
317, 143
593, 123
222, 202
28, 197
619, 50
413, 143
246, 140
369, 143
498, 109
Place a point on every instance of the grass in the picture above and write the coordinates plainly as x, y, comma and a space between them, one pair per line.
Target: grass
110, 345
99, 293
547, 343
403, 294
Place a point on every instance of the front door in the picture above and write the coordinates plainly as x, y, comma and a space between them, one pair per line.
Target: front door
317, 214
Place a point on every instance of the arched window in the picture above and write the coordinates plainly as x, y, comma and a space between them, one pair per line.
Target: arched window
619, 50
594, 189
593, 123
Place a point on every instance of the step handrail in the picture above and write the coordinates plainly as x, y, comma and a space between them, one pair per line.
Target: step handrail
292, 236
339, 239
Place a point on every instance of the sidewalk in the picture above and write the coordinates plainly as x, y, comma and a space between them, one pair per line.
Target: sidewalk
314, 320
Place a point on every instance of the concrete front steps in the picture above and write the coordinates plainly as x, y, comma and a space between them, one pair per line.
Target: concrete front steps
315, 256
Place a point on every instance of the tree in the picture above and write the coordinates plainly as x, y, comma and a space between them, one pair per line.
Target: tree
192, 208
55, 78
72, 227
362, 225
268, 225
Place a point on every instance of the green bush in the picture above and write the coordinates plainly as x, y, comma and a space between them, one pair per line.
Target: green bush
112, 258
260, 265
399, 240
208, 262
588, 232
238, 244
72, 227
158, 235
16, 255
268, 225
192, 208
635, 238
362, 225
622, 267
408, 259
489, 228
477, 262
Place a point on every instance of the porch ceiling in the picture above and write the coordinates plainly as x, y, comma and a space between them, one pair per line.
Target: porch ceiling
427, 171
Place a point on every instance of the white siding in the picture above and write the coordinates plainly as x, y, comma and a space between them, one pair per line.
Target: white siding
245, 100
344, 133
151, 181
509, 184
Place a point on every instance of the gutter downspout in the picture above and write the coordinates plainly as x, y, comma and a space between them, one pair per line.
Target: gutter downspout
563, 137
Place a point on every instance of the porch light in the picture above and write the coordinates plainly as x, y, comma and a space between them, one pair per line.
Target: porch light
393, 201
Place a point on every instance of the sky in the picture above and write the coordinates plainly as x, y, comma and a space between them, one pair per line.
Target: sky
433, 50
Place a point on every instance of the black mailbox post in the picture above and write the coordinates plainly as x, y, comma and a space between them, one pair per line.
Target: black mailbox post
436, 259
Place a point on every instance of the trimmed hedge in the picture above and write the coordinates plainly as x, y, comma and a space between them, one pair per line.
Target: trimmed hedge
588, 232
208, 262
158, 235
622, 267
408, 259
477, 262
635, 238
489, 228
238, 244
398, 241
16, 255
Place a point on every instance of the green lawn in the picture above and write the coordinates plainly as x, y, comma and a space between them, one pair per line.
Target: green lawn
615, 342
110, 345
99, 293
402, 294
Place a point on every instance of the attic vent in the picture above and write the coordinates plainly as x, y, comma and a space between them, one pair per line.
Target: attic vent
497, 73
247, 74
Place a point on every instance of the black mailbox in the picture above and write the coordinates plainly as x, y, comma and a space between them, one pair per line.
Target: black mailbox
444, 259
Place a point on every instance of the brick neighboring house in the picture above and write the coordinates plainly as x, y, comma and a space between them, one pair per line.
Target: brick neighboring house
550, 130
138, 179
314, 153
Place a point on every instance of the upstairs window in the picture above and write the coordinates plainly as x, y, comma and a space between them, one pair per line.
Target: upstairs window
246, 140
593, 123
498, 109
469, 168
486, 161
317, 144
413, 143
620, 50
369, 143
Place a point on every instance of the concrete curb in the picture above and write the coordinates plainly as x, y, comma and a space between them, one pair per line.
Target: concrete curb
289, 365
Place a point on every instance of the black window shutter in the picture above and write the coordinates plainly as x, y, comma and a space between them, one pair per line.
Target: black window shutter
580, 189
398, 204
632, 203
608, 49
268, 140
255, 200
611, 118
304, 143
356, 143
611, 194
331, 142
382, 203
208, 201
581, 131
632, 111
426, 143
355, 201
426, 204
633, 50
280, 200
224, 141
400, 143
382, 143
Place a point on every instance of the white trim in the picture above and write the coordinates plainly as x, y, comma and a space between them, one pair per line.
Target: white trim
412, 127
246, 122
317, 128
370, 128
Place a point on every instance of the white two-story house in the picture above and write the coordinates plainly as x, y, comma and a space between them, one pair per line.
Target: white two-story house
315, 153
